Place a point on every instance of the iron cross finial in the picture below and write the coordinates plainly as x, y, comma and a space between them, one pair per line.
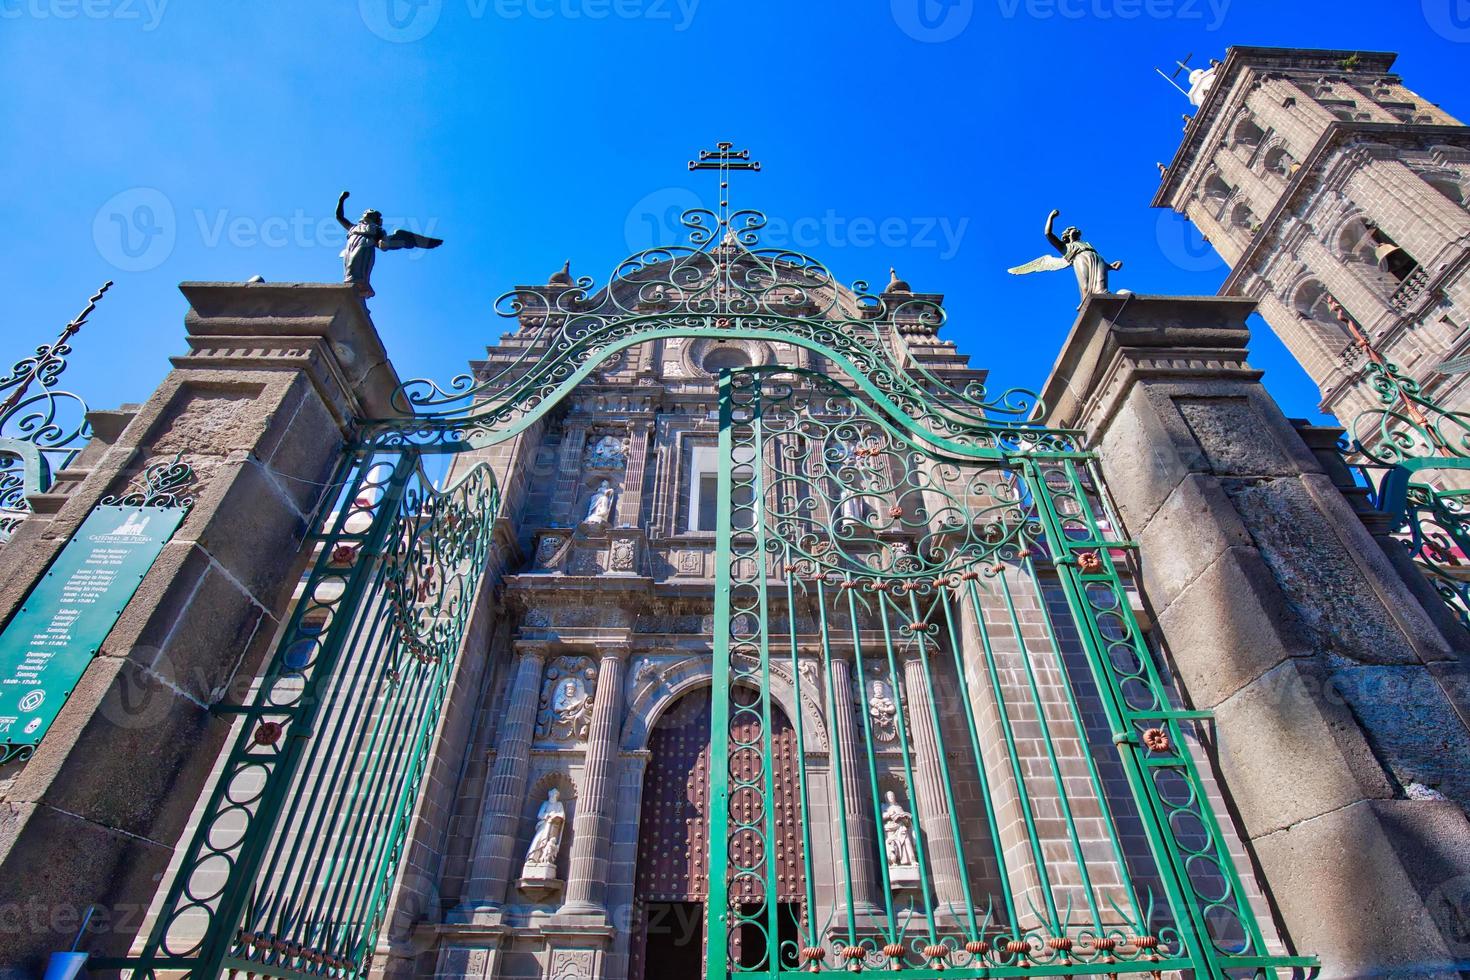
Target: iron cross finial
724, 159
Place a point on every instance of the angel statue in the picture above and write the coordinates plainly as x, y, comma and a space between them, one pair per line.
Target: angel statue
1092, 271
363, 237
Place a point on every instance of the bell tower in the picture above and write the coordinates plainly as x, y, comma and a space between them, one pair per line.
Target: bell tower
1338, 198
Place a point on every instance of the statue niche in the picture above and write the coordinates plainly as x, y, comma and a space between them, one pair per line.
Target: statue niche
600, 506
898, 844
538, 874
566, 700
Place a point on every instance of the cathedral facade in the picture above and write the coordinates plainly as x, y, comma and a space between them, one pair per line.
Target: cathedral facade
722, 621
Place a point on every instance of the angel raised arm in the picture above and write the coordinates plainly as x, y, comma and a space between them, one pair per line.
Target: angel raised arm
1091, 269
365, 236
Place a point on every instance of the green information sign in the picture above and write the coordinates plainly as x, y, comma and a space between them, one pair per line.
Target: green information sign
64, 620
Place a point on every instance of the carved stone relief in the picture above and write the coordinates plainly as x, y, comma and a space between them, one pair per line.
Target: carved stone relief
566, 699
624, 551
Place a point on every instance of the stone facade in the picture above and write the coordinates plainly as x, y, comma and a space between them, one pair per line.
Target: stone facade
559, 831
1319, 177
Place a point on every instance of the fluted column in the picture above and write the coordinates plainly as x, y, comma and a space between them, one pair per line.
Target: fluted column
930, 801
568, 471
505, 791
857, 800
591, 829
630, 501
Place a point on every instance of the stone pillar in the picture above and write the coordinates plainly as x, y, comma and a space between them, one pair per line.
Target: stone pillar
630, 500
1336, 732
491, 867
1345, 285
591, 827
933, 809
857, 797
260, 406
568, 469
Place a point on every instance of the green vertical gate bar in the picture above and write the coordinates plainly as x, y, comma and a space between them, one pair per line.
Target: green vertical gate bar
244, 874
225, 917
1189, 919
717, 942
761, 578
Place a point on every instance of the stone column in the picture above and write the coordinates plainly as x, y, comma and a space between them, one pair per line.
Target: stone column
505, 791
1336, 733
1345, 285
857, 797
569, 467
591, 827
274, 378
630, 499
929, 799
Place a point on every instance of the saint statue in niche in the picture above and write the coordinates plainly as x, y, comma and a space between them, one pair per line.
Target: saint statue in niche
599, 508
883, 713
551, 820
570, 706
898, 838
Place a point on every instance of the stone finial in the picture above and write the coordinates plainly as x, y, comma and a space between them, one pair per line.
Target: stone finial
895, 284
563, 277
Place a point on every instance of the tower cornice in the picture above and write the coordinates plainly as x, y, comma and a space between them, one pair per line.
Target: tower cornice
1241, 59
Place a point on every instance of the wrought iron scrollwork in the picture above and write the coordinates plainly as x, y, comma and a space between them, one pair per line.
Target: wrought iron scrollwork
42, 427
1413, 455
163, 484
721, 284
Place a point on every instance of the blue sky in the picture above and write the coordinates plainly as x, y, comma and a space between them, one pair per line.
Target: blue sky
155, 141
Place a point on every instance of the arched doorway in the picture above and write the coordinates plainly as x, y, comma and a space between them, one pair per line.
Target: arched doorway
672, 879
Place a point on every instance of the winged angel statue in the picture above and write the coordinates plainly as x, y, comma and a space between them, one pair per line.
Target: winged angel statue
366, 235
1091, 269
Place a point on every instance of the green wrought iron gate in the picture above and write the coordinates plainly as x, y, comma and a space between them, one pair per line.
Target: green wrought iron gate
1016, 796
940, 547
289, 870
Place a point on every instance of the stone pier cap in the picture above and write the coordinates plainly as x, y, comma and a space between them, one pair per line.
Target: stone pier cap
1119, 337
228, 321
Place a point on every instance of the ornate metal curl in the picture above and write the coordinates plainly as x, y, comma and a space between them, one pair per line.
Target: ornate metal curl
723, 287
1413, 455
160, 485
42, 428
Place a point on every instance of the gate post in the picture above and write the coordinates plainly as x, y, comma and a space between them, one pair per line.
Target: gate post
260, 408
1339, 732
